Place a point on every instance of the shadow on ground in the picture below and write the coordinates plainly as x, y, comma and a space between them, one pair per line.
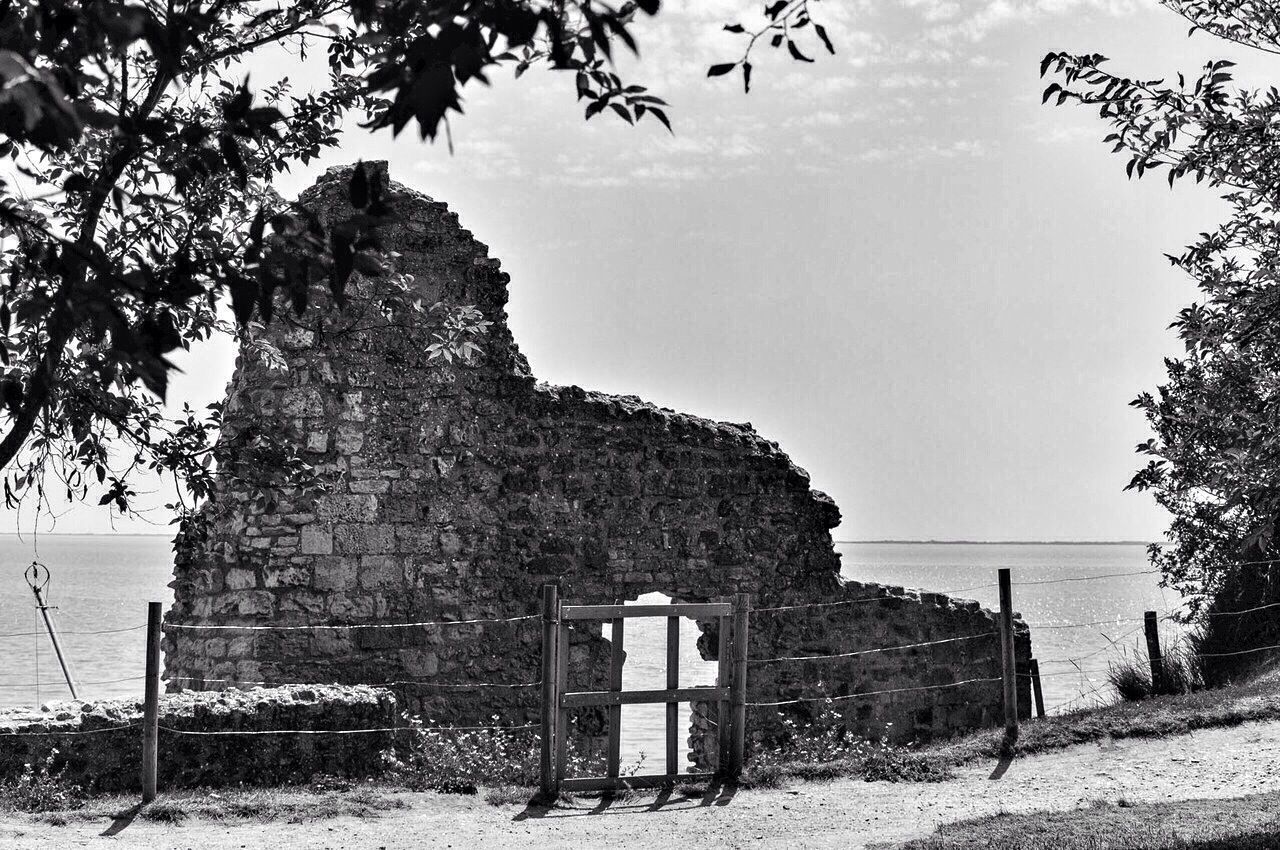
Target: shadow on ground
121, 821
629, 802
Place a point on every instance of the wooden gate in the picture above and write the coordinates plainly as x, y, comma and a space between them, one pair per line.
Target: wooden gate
729, 692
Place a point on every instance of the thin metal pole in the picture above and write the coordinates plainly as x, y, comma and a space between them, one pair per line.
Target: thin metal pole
737, 751
1008, 665
151, 704
53, 636
550, 608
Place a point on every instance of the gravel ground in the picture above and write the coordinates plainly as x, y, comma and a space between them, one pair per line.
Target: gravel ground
1216, 763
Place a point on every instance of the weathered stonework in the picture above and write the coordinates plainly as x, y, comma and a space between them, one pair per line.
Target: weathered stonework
85, 753
456, 491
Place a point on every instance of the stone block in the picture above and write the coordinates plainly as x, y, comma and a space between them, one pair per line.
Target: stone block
353, 407
336, 572
350, 439
450, 543
419, 663
364, 539
351, 608
346, 508
302, 401
303, 601
378, 571
290, 576
415, 540
239, 579
245, 603
376, 486
315, 541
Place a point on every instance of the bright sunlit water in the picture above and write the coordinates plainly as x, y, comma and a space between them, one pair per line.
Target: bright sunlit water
104, 582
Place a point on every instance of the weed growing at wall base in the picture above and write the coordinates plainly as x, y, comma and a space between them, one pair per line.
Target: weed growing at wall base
825, 749
40, 788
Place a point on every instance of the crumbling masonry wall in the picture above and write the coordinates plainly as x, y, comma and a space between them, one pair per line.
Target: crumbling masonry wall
454, 492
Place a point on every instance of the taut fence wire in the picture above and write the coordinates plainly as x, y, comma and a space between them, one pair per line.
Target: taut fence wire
1076, 662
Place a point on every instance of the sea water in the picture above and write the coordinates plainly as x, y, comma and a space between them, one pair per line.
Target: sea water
102, 584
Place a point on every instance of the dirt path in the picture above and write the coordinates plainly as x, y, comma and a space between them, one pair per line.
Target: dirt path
1209, 764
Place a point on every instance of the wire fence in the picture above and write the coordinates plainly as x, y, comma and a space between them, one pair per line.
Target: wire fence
1077, 663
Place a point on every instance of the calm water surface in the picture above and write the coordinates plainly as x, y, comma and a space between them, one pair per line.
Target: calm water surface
104, 582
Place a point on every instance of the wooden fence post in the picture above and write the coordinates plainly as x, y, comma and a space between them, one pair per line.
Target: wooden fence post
1008, 665
1035, 687
724, 716
151, 704
738, 742
1154, 655
550, 699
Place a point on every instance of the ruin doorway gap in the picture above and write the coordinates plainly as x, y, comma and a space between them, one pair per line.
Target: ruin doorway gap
645, 641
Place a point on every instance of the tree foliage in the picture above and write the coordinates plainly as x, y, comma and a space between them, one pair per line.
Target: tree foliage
137, 204
1214, 462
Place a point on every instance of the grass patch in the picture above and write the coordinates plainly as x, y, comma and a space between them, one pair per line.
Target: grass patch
291, 805
823, 749
1149, 718
508, 795
1245, 823
879, 764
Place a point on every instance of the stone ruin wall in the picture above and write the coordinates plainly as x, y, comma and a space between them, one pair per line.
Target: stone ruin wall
457, 491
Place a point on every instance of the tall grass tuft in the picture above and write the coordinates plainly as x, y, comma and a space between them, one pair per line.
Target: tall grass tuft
1179, 672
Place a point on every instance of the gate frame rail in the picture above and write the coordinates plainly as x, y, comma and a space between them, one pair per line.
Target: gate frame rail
729, 692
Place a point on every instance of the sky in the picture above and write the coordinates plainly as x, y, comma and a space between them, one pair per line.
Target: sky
937, 295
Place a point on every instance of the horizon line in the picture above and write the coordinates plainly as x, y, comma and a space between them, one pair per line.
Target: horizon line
934, 542
1006, 543
886, 540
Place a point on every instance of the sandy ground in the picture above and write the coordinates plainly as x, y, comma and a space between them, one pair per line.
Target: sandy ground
849, 813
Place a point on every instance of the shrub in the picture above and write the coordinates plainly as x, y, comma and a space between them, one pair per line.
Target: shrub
41, 788
823, 738
462, 761
825, 749
891, 764
1224, 631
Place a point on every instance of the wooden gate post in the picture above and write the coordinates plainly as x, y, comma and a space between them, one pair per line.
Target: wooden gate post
724, 715
1008, 664
562, 685
550, 699
151, 704
1154, 655
617, 656
737, 749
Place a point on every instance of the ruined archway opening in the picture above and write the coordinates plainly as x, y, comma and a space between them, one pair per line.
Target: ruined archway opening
644, 726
